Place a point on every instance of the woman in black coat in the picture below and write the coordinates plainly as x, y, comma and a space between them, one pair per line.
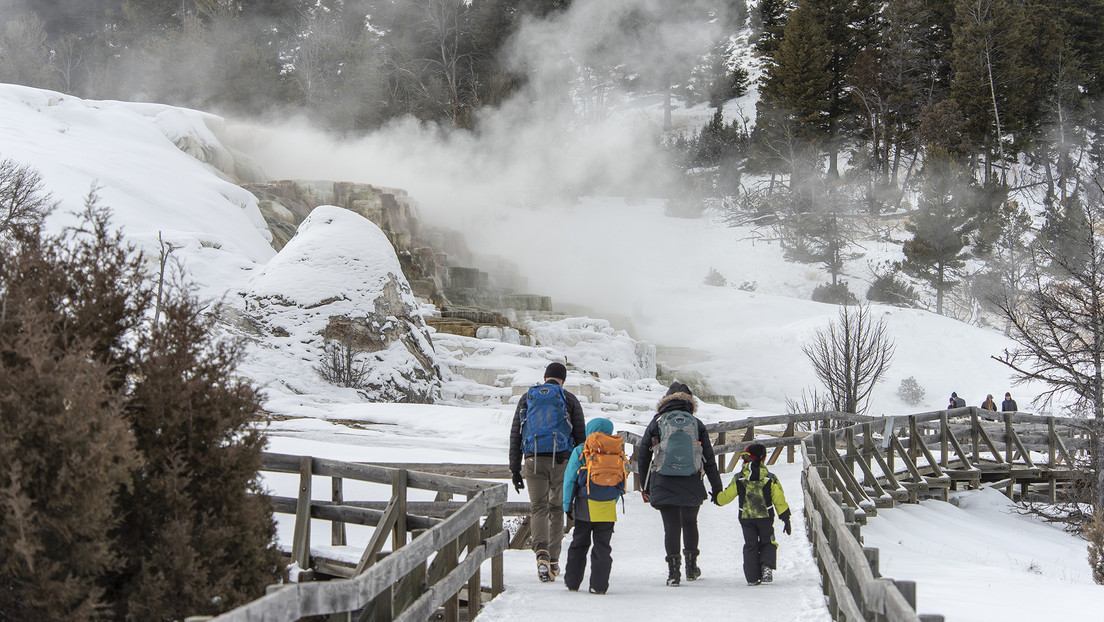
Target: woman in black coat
678, 497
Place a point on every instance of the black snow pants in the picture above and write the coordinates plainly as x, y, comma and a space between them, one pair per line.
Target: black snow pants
679, 520
760, 548
596, 537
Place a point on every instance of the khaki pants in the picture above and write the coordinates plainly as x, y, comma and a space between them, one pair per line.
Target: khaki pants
544, 481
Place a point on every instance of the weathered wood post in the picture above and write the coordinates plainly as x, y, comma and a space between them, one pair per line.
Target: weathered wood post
721, 457
789, 433
914, 447
1052, 481
975, 434
300, 539
944, 440
337, 527
475, 586
452, 605
494, 522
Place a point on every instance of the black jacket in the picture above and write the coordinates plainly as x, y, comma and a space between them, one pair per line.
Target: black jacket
1009, 406
578, 430
677, 490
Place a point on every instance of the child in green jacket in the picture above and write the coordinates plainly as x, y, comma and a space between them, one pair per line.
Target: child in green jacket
760, 495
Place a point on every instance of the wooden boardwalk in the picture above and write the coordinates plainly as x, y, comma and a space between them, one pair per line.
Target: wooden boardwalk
851, 466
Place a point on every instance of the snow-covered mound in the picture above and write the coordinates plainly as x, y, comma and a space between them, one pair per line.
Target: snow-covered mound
134, 154
339, 279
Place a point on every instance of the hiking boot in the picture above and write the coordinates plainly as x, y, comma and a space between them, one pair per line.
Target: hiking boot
692, 570
768, 574
594, 591
554, 567
755, 582
544, 570
674, 575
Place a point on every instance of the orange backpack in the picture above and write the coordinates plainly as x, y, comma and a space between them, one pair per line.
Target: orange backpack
604, 459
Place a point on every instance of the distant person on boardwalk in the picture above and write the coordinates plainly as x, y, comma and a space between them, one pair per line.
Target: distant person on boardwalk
989, 404
673, 453
594, 481
548, 424
956, 401
760, 496
1009, 404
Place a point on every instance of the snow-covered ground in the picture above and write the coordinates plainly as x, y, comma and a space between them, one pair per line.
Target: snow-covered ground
623, 260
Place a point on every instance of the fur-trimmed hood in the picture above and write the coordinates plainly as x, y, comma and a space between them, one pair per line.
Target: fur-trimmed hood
686, 402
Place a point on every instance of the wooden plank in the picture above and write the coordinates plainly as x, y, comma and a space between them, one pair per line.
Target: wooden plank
398, 497
300, 539
979, 431
449, 586
494, 527
326, 597
1023, 451
337, 527
282, 463
475, 590
833, 575
375, 544
774, 441
367, 513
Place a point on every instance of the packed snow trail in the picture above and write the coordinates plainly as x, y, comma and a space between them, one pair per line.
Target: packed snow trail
637, 584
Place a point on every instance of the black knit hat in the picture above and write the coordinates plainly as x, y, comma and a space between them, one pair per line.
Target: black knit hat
678, 387
757, 450
556, 370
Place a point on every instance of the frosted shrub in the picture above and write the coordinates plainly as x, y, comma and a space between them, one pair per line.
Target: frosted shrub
910, 391
838, 294
715, 279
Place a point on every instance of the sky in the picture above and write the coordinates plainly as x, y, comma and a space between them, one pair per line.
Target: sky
744, 343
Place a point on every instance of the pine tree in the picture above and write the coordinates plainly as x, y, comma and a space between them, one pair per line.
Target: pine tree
792, 112
850, 26
940, 226
993, 82
770, 17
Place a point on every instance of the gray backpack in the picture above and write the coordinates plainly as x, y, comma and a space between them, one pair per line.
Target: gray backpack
678, 451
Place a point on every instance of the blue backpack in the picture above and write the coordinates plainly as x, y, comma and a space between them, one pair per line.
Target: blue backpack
545, 424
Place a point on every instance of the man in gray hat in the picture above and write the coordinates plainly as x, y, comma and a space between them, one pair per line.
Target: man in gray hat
548, 424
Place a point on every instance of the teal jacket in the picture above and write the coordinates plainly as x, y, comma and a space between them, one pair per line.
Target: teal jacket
575, 494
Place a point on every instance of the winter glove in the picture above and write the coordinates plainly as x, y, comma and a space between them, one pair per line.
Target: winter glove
570, 515
647, 498
786, 528
519, 483
713, 497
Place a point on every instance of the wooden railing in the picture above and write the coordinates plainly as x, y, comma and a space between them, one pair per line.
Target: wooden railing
849, 472
852, 471
431, 569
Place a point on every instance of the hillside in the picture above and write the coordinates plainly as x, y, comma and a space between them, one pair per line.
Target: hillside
620, 259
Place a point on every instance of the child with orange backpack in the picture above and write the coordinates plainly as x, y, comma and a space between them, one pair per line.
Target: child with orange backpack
593, 482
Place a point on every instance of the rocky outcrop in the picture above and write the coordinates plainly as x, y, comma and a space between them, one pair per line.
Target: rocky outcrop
436, 263
338, 281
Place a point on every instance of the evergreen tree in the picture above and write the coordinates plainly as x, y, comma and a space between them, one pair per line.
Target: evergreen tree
196, 542
65, 447
992, 81
770, 18
792, 112
850, 27
129, 463
940, 226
